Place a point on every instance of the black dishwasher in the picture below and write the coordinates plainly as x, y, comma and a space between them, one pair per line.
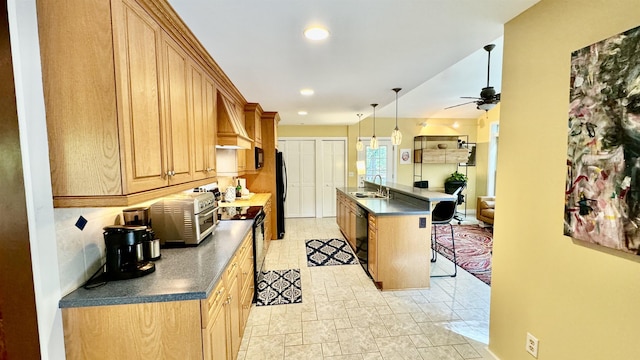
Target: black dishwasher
362, 237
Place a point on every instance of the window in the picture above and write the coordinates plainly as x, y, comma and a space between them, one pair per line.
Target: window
379, 161
376, 162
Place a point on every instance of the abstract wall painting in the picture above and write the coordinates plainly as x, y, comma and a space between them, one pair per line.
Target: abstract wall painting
602, 195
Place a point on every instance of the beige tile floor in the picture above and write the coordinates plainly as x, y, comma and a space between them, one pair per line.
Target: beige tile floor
344, 317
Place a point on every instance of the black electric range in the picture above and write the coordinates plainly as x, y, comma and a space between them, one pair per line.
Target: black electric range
239, 213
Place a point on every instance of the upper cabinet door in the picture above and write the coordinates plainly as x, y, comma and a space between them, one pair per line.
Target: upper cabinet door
179, 127
137, 52
197, 113
212, 124
203, 113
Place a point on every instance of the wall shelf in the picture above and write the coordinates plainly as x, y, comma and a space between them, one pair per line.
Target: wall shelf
439, 149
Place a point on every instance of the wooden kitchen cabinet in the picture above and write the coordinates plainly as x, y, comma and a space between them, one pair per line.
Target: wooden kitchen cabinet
215, 312
207, 329
399, 251
268, 223
122, 111
351, 223
233, 298
264, 181
372, 246
178, 127
346, 218
202, 110
253, 123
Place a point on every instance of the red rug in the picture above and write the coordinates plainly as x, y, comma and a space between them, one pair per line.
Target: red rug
473, 248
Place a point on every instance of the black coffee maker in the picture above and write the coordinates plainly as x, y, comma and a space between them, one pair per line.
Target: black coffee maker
124, 252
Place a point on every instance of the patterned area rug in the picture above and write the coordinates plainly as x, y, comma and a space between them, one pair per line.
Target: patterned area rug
322, 252
279, 287
473, 248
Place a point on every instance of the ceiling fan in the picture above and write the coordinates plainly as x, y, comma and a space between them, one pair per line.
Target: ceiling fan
488, 97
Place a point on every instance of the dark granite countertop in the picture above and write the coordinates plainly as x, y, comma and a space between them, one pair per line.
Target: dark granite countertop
382, 207
188, 273
425, 194
404, 200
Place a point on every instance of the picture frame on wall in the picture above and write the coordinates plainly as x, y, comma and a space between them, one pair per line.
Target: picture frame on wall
602, 189
405, 156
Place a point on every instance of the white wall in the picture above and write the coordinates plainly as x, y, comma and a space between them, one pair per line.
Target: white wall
23, 28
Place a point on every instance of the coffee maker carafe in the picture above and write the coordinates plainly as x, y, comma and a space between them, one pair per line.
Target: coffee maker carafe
124, 252
150, 244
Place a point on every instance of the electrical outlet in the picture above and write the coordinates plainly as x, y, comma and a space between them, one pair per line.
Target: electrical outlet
422, 223
532, 345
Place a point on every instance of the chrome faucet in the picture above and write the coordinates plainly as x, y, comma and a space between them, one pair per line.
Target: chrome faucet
374, 181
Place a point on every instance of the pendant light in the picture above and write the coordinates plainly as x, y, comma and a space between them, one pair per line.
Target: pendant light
359, 144
396, 135
374, 141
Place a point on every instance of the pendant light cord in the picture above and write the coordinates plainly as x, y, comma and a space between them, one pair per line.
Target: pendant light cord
397, 90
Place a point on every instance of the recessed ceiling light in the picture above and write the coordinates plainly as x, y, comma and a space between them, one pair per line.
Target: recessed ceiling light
302, 112
316, 33
307, 92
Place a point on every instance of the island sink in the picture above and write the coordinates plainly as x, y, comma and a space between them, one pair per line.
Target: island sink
368, 195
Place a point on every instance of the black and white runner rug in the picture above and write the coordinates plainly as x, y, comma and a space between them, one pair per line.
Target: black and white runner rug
321, 252
279, 287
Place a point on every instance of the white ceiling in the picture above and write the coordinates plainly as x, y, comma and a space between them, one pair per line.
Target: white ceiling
430, 48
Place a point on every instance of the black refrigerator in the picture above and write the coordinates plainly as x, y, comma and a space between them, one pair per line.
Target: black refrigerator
281, 191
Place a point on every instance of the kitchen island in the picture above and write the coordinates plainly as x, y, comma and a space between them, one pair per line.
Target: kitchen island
194, 306
393, 243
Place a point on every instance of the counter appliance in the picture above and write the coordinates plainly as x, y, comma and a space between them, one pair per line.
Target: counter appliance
184, 219
123, 244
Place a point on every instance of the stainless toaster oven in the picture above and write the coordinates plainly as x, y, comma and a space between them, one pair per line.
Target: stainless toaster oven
184, 219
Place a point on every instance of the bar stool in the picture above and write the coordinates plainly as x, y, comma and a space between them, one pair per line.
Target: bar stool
443, 213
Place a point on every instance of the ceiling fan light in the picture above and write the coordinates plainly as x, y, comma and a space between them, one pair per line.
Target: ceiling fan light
396, 137
486, 106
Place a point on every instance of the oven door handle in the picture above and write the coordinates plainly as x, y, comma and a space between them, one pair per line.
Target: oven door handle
209, 213
259, 220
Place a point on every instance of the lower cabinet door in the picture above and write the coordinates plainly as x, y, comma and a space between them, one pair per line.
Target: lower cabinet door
372, 260
215, 337
235, 309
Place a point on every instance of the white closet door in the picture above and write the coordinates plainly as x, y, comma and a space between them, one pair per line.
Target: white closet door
333, 173
300, 157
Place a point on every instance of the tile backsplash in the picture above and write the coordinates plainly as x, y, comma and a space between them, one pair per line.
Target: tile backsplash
82, 252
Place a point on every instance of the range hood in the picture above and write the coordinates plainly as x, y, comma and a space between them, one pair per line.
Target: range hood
231, 131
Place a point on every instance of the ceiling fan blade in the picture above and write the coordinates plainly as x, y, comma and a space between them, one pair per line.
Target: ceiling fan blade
467, 103
470, 97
